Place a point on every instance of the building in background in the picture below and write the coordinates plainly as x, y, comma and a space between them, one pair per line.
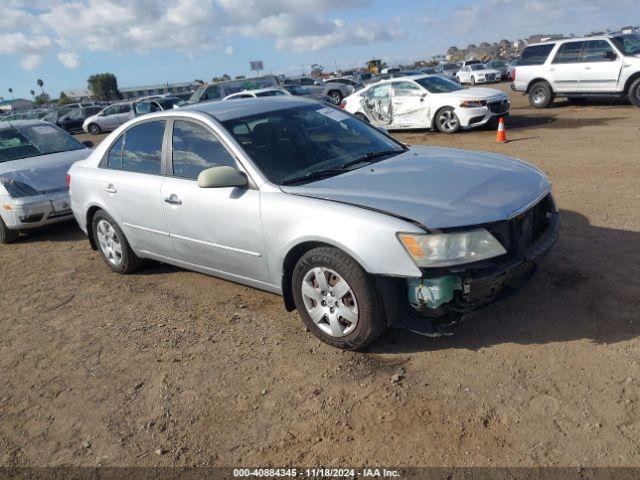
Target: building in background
79, 95
15, 105
159, 89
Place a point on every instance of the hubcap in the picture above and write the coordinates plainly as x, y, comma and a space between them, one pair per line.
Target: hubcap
539, 95
330, 302
109, 242
448, 120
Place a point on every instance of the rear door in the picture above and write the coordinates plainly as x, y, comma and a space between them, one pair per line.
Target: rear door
125, 113
601, 66
131, 183
218, 229
566, 70
409, 105
376, 103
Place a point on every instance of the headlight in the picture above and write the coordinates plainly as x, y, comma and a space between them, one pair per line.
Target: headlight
473, 103
456, 248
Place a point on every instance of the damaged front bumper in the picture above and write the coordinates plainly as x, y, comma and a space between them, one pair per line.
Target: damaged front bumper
446, 298
26, 213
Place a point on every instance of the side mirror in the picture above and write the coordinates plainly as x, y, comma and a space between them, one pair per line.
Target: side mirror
218, 177
611, 56
88, 143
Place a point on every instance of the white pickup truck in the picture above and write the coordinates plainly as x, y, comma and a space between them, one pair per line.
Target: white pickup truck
577, 68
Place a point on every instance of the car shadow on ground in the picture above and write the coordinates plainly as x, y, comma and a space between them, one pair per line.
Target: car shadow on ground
584, 290
58, 232
517, 122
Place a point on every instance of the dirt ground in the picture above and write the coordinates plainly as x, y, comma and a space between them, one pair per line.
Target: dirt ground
168, 367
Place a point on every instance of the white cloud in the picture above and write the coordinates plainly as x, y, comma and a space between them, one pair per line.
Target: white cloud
69, 59
229, 51
31, 62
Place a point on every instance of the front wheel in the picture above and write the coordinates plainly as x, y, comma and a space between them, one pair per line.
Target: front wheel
447, 121
634, 93
94, 129
540, 95
473, 80
113, 245
337, 299
336, 97
7, 235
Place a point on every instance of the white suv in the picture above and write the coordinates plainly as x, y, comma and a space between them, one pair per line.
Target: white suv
580, 67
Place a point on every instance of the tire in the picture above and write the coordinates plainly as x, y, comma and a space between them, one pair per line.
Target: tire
94, 129
634, 93
447, 121
336, 96
540, 95
473, 81
113, 245
362, 117
7, 235
366, 318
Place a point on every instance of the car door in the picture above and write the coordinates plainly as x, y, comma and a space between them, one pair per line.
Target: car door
464, 75
376, 104
130, 186
109, 118
565, 70
409, 105
125, 113
218, 229
601, 66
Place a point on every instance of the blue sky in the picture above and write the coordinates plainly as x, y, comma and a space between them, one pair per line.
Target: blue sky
156, 41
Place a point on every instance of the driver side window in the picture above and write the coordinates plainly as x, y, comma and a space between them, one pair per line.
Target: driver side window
380, 91
406, 89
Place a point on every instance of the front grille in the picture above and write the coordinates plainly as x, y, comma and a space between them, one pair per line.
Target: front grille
499, 107
520, 233
490, 76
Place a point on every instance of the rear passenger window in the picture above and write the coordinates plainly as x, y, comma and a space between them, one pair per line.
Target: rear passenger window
569, 53
598, 51
142, 150
114, 157
195, 149
535, 54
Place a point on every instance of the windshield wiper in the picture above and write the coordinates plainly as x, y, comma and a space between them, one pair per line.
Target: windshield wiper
328, 172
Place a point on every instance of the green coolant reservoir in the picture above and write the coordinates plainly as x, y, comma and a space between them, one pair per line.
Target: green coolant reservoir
431, 292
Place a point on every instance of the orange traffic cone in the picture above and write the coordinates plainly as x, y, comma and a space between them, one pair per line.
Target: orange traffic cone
501, 136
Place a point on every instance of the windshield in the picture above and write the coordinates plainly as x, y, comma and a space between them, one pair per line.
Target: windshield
628, 44
498, 64
438, 84
33, 140
296, 143
195, 96
478, 67
451, 66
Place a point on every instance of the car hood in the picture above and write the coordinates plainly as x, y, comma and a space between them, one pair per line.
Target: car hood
437, 187
45, 173
486, 71
475, 93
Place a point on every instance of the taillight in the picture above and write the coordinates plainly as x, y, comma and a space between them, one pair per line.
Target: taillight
68, 180
343, 103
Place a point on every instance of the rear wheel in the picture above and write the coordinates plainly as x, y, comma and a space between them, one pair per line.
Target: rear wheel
473, 80
336, 96
112, 244
634, 93
336, 299
94, 129
447, 121
540, 95
7, 235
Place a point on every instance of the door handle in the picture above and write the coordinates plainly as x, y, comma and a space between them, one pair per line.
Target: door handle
110, 188
173, 199
587, 68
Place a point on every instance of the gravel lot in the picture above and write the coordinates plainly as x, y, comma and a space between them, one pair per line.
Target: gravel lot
168, 367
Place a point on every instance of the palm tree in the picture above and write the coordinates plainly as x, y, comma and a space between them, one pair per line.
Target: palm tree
41, 85
11, 92
33, 94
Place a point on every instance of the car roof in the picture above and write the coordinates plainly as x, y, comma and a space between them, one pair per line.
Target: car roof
577, 39
223, 111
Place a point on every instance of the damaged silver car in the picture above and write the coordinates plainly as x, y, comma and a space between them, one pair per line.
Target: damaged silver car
34, 159
354, 229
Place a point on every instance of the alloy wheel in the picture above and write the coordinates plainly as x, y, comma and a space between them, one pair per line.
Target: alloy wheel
539, 96
110, 244
330, 301
448, 121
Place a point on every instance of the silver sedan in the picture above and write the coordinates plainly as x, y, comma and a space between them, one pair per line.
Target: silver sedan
355, 230
34, 159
